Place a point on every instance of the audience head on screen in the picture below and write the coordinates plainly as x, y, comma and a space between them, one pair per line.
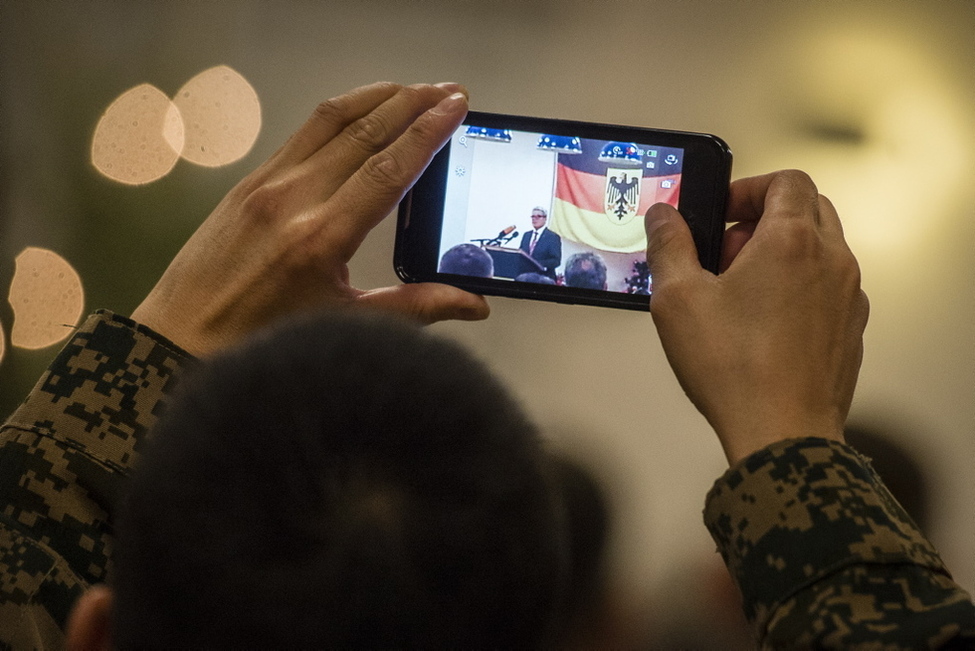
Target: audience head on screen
341, 482
585, 270
468, 260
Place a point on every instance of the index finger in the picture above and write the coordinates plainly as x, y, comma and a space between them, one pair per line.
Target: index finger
329, 119
373, 190
784, 194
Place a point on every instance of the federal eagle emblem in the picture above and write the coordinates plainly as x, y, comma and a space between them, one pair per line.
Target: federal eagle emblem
622, 194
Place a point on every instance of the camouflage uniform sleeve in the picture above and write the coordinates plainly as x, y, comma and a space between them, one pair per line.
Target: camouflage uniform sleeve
826, 558
64, 455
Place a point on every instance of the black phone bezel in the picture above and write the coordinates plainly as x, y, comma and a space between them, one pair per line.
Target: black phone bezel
706, 175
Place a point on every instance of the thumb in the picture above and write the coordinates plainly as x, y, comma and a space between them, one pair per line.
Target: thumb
671, 252
427, 302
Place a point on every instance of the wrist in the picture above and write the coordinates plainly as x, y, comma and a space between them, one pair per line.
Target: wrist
743, 439
157, 322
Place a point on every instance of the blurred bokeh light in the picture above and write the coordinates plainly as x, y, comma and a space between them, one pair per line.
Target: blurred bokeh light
139, 137
213, 120
222, 116
47, 299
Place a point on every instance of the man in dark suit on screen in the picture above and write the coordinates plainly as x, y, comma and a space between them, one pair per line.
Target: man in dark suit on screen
543, 245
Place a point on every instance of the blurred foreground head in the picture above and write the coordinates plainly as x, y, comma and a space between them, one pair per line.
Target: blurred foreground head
341, 482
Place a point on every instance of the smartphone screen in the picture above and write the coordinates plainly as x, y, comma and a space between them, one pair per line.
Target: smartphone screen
556, 212
574, 206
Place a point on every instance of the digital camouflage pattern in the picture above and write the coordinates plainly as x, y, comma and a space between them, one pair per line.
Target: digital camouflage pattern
64, 455
825, 557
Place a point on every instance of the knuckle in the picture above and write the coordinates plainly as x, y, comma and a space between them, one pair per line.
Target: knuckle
266, 201
422, 95
800, 240
414, 92
849, 269
371, 132
799, 188
864, 305
853, 267
250, 183
796, 178
333, 110
825, 203
663, 237
342, 108
385, 173
390, 86
424, 130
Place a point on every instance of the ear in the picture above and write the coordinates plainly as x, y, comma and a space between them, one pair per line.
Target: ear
90, 622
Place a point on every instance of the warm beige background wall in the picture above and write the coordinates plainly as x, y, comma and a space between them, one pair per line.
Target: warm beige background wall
874, 98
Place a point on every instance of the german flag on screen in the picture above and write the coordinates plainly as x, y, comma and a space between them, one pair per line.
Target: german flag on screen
601, 204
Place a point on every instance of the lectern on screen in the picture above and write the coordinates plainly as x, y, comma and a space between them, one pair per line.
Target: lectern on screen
511, 263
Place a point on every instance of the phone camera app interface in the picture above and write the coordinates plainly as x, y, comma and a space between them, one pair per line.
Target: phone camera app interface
553, 209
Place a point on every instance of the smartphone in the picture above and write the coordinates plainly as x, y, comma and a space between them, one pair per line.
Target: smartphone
553, 210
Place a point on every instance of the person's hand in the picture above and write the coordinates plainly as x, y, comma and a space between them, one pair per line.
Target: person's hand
280, 241
771, 348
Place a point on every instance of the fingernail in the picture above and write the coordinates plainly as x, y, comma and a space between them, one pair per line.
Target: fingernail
450, 104
657, 216
453, 87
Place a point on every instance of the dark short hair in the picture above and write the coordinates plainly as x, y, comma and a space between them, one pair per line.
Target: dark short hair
468, 260
586, 270
340, 482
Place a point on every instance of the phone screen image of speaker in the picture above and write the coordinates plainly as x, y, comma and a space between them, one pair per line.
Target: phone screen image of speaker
553, 209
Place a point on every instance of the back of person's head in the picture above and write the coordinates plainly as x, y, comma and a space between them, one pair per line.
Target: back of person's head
586, 270
468, 260
340, 482
588, 521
